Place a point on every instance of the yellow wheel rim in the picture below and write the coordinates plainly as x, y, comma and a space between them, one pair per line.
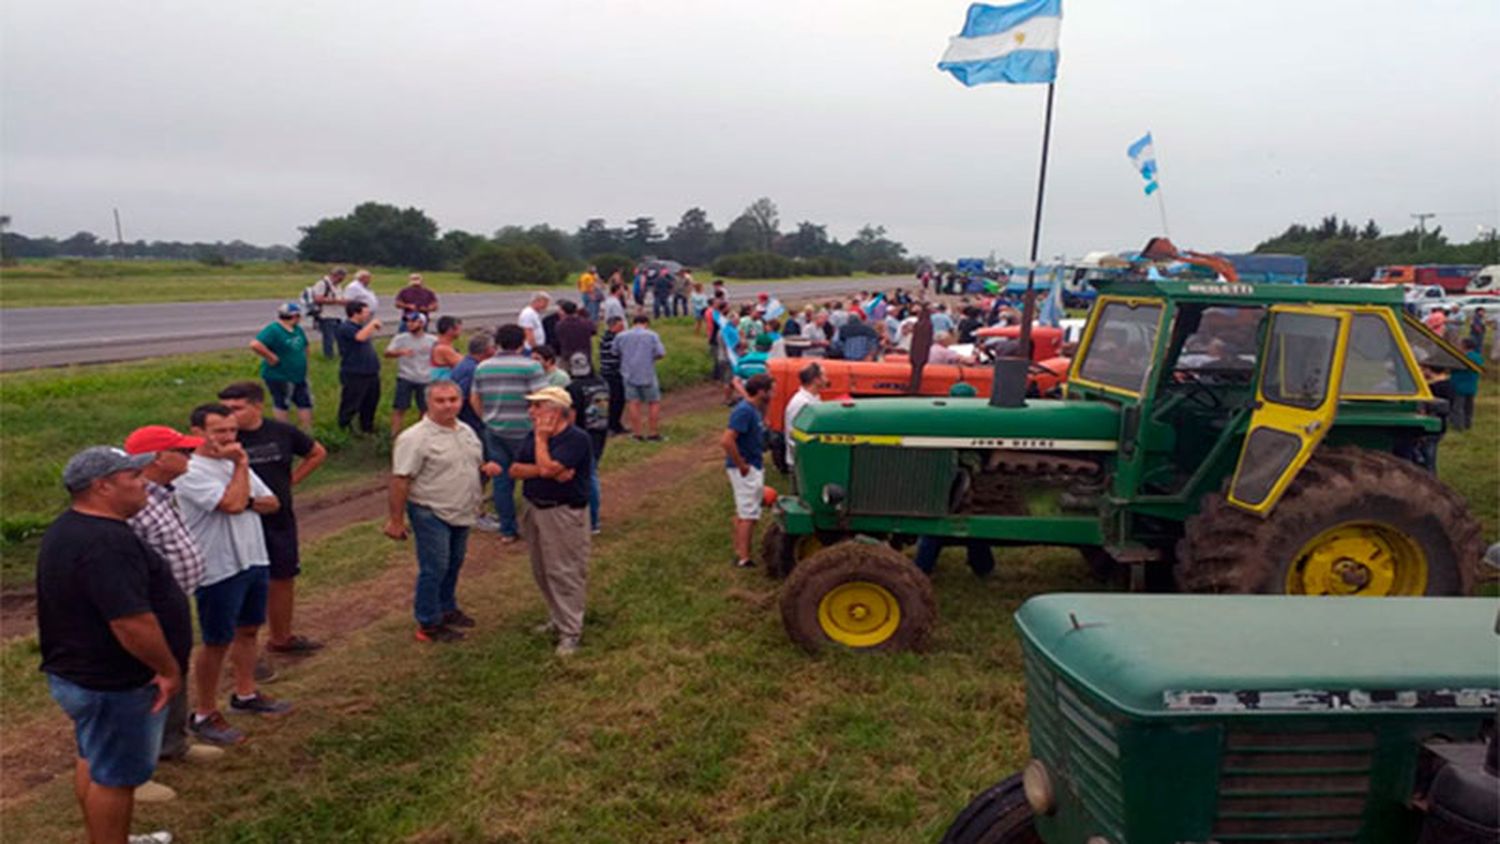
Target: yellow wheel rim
805, 546
1365, 559
859, 614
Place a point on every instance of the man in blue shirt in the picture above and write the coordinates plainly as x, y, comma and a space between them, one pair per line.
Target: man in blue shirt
359, 368
481, 347
744, 445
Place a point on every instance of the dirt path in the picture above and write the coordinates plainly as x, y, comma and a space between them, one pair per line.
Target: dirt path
38, 751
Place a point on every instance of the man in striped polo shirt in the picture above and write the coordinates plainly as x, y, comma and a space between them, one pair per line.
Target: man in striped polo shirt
501, 385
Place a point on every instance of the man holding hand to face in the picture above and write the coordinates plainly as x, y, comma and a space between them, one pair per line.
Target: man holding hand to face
222, 500
555, 465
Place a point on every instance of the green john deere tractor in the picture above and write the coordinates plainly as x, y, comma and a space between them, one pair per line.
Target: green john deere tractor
1213, 437
1232, 719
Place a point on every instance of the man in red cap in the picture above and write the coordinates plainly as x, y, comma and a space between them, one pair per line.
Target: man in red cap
161, 528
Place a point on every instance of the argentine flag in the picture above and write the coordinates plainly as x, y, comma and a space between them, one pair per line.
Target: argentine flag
1143, 155
1016, 44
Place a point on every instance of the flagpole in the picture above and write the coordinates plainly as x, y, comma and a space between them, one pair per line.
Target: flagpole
1161, 198
1008, 388
1028, 307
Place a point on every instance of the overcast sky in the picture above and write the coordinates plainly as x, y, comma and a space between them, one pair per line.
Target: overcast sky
215, 120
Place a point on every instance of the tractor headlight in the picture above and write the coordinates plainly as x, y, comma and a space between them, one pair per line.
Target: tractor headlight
1037, 783
833, 495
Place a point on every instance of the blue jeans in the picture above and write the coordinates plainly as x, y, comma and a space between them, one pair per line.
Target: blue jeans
329, 328
503, 450
116, 732
440, 555
591, 307
981, 558
594, 496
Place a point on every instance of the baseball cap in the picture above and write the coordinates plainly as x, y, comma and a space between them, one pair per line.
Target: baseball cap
555, 395
97, 462
415, 316
579, 365
763, 342
289, 309
154, 438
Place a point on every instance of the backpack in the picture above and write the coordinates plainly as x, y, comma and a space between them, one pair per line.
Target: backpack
310, 305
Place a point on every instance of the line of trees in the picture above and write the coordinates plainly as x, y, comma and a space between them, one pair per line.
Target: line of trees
1336, 248
89, 245
376, 233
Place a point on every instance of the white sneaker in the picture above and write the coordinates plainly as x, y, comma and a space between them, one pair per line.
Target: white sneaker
567, 647
201, 753
487, 523
161, 836
152, 791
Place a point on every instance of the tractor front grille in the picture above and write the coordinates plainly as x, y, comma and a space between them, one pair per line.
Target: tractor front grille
888, 481
1078, 744
1293, 786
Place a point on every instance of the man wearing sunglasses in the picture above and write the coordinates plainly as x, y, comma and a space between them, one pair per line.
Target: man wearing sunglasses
282, 346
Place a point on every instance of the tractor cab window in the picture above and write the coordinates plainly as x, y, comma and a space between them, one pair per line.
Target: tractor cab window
1222, 347
1299, 358
1429, 350
1375, 365
1122, 345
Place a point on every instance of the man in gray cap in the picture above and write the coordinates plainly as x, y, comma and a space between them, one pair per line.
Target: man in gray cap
113, 627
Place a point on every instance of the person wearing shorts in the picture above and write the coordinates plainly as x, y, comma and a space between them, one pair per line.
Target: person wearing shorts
743, 442
639, 349
222, 501
412, 350
282, 346
113, 627
283, 457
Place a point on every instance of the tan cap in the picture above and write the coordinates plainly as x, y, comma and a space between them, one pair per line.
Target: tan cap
556, 395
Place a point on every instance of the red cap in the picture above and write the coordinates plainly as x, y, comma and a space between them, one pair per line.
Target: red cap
158, 438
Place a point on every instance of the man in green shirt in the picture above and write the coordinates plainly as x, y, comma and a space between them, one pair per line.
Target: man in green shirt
282, 346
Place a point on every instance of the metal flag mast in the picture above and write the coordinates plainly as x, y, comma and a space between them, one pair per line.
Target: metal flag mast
1009, 387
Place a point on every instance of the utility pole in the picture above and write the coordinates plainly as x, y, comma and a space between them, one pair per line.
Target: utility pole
1422, 227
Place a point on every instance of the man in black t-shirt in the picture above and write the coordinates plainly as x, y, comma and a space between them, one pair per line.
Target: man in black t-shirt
113, 627
271, 447
556, 466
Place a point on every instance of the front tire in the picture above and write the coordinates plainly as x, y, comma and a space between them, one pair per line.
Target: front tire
861, 595
1000, 815
1354, 522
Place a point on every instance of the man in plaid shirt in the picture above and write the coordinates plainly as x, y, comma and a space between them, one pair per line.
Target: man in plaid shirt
160, 526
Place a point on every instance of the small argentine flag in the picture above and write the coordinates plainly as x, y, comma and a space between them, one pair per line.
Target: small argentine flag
1014, 44
1143, 155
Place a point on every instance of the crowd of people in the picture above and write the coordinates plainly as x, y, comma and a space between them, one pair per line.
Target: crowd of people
208, 516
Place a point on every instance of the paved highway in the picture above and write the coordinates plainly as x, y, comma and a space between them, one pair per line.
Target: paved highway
37, 337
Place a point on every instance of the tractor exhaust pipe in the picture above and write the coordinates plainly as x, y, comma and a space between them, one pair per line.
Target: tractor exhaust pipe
1009, 386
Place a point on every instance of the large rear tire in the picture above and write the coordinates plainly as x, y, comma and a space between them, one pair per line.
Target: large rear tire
858, 594
1354, 522
1000, 815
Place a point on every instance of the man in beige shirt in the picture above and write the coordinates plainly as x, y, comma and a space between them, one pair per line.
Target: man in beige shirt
436, 471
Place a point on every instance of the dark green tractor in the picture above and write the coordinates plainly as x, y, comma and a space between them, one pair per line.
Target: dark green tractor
1159, 719
1225, 438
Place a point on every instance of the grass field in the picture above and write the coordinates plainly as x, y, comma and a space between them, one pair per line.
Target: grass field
47, 415
687, 717
31, 284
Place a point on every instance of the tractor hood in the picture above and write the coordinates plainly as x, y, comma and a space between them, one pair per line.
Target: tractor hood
1185, 654
963, 423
